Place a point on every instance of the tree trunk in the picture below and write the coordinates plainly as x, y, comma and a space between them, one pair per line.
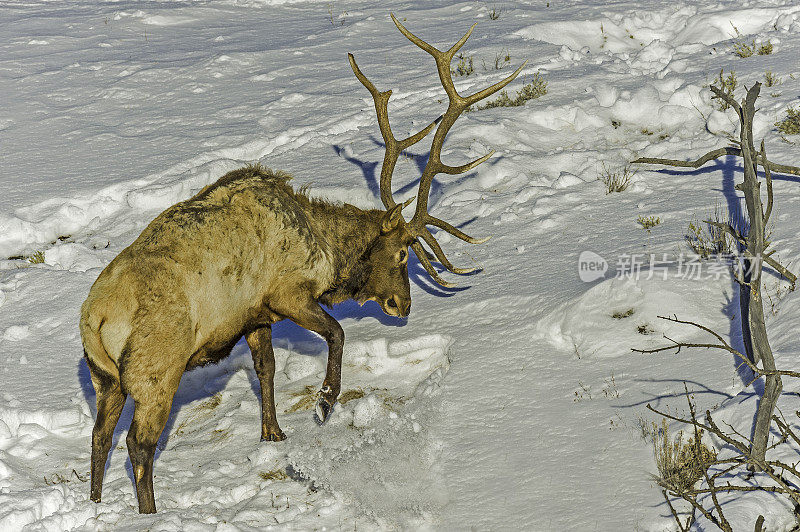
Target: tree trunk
754, 330
755, 249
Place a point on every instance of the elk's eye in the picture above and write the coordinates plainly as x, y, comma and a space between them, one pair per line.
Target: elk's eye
402, 256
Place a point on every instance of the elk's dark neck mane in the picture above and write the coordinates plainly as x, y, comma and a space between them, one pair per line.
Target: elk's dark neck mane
349, 232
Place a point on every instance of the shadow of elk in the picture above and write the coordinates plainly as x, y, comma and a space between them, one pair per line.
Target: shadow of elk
242, 254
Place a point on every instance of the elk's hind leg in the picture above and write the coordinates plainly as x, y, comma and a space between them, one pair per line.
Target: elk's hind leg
260, 343
110, 401
149, 418
152, 382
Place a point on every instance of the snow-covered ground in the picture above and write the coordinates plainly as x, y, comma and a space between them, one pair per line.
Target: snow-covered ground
513, 401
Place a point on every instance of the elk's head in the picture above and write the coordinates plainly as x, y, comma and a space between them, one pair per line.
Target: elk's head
388, 277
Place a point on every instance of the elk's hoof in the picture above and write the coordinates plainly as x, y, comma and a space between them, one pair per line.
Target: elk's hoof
273, 435
323, 410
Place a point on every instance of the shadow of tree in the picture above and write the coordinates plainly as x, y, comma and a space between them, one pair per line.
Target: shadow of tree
696, 388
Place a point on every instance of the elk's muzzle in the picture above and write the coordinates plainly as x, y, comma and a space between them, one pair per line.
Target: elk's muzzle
397, 306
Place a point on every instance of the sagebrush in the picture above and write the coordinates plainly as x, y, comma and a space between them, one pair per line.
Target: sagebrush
726, 85
616, 180
536, 88
680, 463
709, 241
790, 125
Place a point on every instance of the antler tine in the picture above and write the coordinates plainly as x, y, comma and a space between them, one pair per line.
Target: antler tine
427, 47
413, 38
426, 263
453, 49
393, 146
453, 170
456, 105
363, 79
480, 95
437, 250
442, 59
441, 224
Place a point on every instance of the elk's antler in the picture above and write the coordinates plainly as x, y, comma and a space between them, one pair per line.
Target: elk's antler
457, 104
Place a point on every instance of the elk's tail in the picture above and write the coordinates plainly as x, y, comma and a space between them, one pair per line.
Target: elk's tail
93, 349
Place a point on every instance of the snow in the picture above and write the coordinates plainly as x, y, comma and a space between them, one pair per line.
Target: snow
513, 401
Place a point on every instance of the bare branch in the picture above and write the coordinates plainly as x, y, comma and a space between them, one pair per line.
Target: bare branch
734, 487
715, 154
725, 346
728, 228
681, 528
678, 419
722, 95
752, 450
775, 265
786, 430
721, 345
723, 523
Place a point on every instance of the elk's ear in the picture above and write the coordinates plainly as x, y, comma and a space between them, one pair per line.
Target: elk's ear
392, 219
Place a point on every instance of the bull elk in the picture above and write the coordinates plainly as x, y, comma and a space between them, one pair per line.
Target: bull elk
244, 253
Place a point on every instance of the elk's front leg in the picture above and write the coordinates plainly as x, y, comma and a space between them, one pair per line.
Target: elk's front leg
260, 343
312, 317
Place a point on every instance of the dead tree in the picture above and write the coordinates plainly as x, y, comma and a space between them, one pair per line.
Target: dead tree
754, 249
780, 476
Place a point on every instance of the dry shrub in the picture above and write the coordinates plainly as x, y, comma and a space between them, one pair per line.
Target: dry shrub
710, 241
622, 314
275, 474
536, 88
742, 49
770, 79
618, 180
307, 400
728, 86
648, 222
37, 258
199, 412
464, 67
350, 395
790, 125
680, 463
211, 403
